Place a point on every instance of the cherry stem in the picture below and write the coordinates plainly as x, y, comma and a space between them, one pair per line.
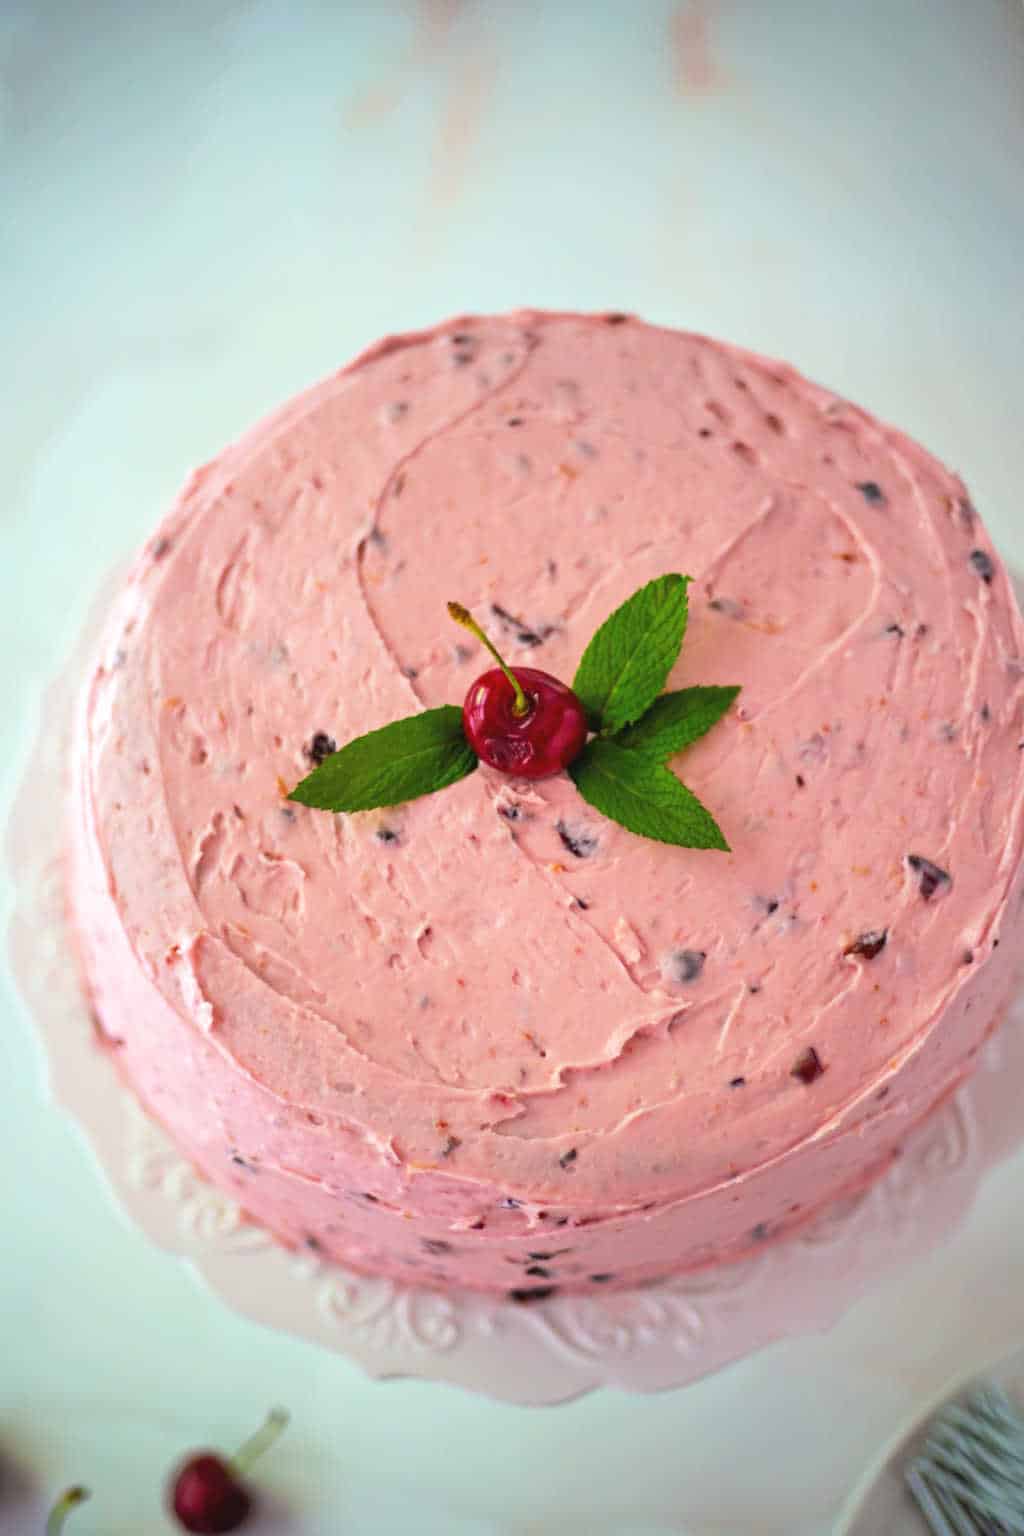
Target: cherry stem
68, 1501
274, 1425
521, 704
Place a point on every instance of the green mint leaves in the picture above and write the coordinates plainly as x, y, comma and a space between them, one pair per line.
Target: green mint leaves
626, 663
399, 762
622, 771
676, 720
640, 793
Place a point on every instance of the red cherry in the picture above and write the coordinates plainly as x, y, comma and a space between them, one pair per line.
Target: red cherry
206, 1492
524, 722
532, 744
207, 1496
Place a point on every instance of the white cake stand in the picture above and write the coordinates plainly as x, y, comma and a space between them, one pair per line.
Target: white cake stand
548, 1352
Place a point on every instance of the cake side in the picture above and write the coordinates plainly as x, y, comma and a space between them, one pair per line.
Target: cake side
493, 1007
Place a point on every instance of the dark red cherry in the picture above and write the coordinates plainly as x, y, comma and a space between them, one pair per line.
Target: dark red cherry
207, 1496
533, 744
206, 1491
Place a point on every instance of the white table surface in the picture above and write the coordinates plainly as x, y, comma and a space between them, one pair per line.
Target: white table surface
204, 204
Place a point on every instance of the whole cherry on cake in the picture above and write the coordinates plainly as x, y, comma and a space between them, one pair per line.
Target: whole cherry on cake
525, 722
206, 1492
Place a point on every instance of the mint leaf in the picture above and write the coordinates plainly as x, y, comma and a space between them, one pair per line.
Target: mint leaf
626, 663
675, 720
637, 792
401, 761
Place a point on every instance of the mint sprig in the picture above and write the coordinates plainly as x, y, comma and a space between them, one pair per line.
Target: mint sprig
676, 720
643, 795
625, 666
623, 769
401, 761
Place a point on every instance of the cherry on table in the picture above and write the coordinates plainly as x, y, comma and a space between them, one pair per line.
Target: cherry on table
208, 1497
206, 1492
520, 720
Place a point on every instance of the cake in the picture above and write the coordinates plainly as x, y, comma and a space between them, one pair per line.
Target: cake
490, 1038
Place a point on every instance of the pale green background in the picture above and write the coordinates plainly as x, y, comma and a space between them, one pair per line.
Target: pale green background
203, 206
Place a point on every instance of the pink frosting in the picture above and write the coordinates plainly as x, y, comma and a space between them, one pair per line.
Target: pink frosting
489, 1037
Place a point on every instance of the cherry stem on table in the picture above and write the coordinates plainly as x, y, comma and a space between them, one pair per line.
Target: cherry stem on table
461, 615
274, 1425
68, 1501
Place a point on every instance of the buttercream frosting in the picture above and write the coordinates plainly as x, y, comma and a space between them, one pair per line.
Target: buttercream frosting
489, 1037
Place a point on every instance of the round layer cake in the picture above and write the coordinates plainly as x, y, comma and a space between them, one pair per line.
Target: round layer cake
490, 1038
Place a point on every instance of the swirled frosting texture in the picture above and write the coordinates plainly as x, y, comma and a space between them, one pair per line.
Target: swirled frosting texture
488, 1037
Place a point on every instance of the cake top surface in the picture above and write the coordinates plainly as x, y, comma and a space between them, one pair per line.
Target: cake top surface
494, 982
